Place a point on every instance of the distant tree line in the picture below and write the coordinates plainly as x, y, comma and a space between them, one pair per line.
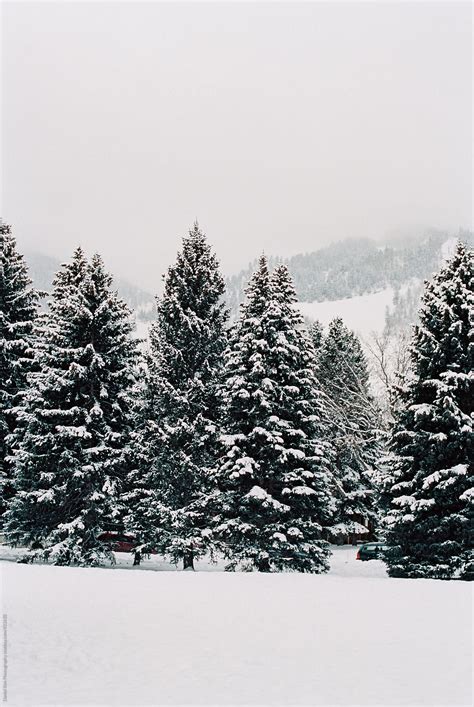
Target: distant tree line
258, 441
355, 267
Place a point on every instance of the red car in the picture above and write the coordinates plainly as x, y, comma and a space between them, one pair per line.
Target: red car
120, 542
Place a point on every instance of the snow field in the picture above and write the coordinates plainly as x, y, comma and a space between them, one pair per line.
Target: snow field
94, 636
363, 314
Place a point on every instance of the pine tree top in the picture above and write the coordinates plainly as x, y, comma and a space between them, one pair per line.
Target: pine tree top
258, 291
189, 332
194, 279
283, 287
439, 341
18, 299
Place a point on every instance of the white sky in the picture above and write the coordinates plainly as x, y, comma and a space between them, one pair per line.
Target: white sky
281, 127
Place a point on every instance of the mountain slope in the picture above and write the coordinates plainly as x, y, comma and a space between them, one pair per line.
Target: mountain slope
375, 276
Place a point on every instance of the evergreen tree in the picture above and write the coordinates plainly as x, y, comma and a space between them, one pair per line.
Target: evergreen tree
273, 481
18, 310
430, 521
182, 407
72, 458
316, 331
353, 426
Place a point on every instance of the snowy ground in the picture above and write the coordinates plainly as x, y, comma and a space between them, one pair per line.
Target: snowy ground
134, 637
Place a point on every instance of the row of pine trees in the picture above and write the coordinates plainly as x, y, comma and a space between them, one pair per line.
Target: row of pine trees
259, 441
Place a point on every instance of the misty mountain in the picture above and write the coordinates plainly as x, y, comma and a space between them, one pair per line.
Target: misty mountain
44, 267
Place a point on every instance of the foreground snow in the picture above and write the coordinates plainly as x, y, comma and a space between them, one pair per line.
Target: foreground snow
94, 636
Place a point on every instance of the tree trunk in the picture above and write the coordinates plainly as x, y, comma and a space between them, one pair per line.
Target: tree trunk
137, 558
188, 560
263, 565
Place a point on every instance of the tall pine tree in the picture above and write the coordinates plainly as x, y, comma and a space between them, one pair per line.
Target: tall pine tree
273, 498
353, 427
172, 479
72, 458
18, 310
430, 521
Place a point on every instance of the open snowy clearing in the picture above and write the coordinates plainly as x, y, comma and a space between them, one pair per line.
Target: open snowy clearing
362, 313
122, 637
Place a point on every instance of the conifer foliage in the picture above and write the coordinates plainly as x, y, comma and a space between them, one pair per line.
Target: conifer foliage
352, 426
71, 461
261, 442
430, 521
273, 483
187, 342
18, 310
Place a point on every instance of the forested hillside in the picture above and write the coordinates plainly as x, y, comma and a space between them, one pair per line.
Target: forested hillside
354, 267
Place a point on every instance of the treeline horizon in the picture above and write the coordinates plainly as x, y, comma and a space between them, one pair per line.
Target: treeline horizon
345, 268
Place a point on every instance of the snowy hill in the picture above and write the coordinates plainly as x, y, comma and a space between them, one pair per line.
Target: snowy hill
363, 314
360, 279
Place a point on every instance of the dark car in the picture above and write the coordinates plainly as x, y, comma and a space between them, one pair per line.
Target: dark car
118, 542
371, 551
121, 542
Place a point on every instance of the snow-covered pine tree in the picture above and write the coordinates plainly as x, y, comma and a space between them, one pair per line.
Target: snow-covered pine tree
273, 497
18, 310
353, 426
172, 481
316, 331
72, 458
431, 517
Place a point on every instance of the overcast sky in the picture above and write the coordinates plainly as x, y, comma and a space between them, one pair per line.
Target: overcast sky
280, 127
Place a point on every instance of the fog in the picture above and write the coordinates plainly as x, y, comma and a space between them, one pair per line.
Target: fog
280, 127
